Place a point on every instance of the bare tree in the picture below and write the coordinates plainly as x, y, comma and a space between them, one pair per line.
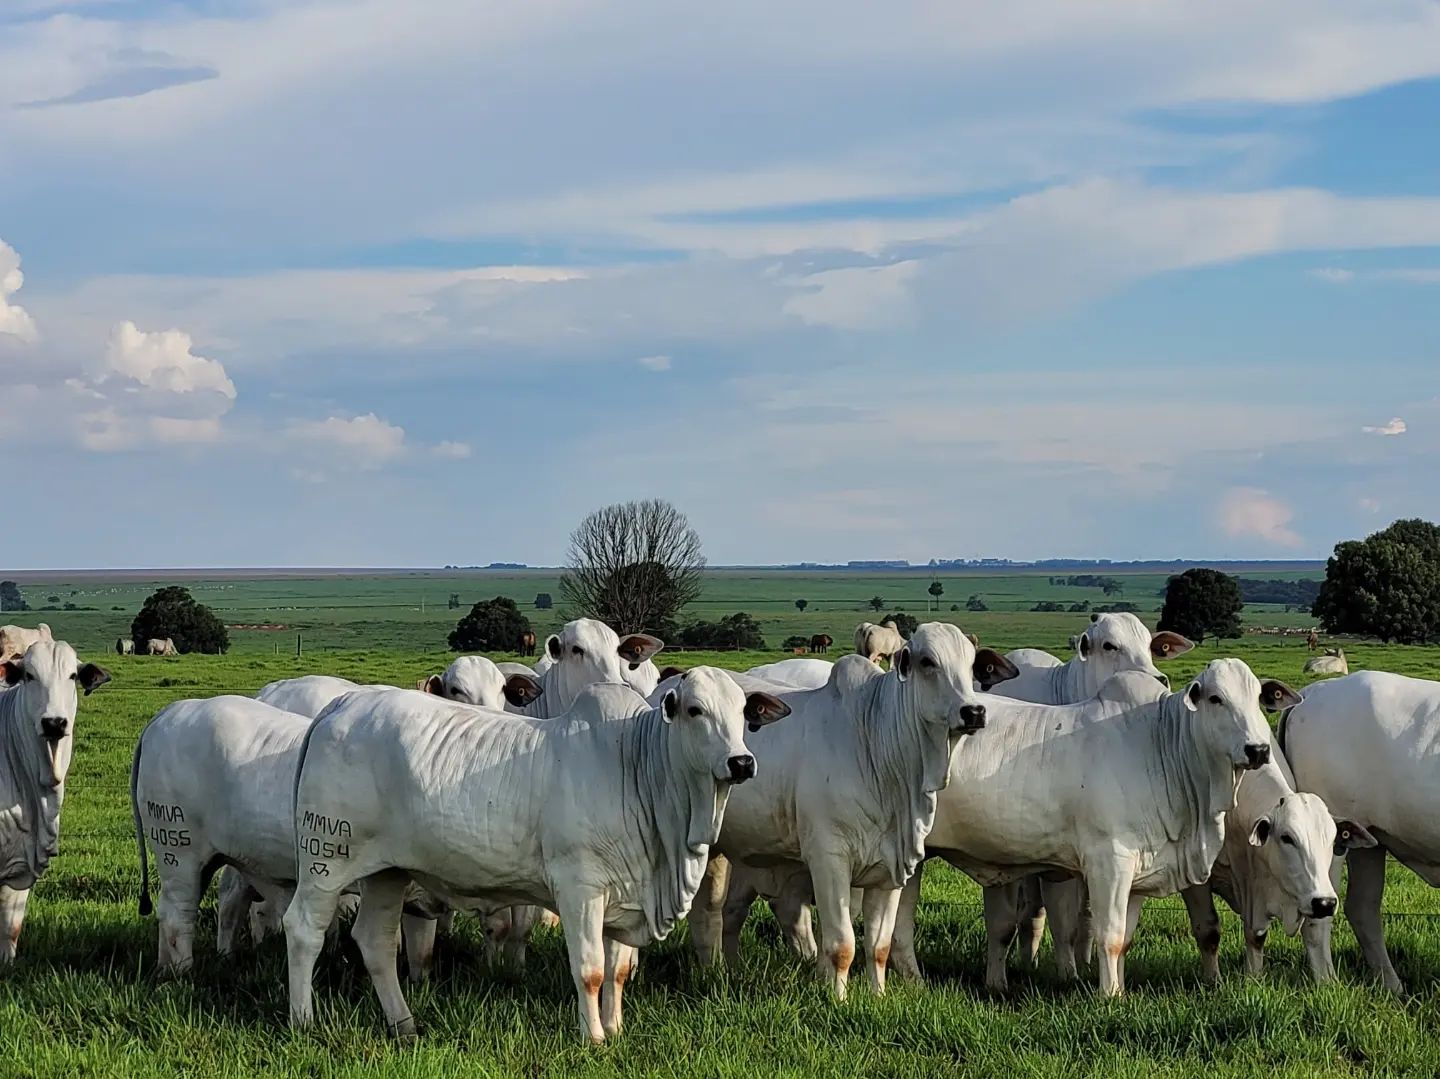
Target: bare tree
633, 565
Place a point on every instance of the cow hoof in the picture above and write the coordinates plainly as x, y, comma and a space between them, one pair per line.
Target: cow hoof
405, 1031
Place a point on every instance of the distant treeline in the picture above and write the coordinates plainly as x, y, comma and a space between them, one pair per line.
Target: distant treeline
1290, 593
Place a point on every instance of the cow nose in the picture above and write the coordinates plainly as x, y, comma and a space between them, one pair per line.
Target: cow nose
54, 727
974, 716
1322, 908
741, 768
1257, 754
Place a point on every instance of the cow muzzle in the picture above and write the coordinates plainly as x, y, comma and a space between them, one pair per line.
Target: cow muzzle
1257, 755
972, 718
54, 728
1322, 907
742, 767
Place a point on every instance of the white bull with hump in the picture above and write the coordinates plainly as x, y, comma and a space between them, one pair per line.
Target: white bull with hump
606, 813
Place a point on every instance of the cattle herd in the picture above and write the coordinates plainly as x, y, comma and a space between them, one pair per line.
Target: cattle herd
624, 799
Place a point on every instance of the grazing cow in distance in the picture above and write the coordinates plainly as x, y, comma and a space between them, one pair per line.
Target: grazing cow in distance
37, 726
1312, 640
15, 640
1332, 662
607, 814
157, 646
124, 646
527, 643
821, 643
878, 643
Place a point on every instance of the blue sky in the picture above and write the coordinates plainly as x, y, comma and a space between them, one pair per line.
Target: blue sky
346, 283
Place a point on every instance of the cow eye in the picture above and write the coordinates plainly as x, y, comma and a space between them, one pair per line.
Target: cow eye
75, 677
1214, 699
927, 663
1287, 839
1109, 646
578, 650
695, 710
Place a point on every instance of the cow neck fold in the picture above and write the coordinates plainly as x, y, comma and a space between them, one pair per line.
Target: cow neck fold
905, 761
674, 810
1194, 788
29, 805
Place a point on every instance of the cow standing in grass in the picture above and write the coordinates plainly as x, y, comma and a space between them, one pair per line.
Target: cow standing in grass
37, 728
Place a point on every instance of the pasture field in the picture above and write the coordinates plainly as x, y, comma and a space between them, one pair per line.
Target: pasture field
83, 998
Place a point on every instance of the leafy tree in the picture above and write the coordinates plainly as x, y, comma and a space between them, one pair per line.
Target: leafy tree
493, 625
801, 604
1386, 585
877, 604
543, 601
1112, 587
954, 606
11, 598
975, 603
1202, 603
795, 641
1115, 608
633, 565
905, 623
1048, 606
1080, 608
936, 590
738, 631
172, 612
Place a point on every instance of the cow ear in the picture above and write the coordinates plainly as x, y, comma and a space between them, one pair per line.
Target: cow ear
670, 672
1277, 696
1083, 647
1192, 696
1167, 645
762, 708
522, 689
670, 706
1350, 836
434, 685
991, 668
638, 647
1260, 833
553, 648
14, 671
900, 663
91, 677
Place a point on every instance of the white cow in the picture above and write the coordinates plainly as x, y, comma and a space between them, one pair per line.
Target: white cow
1130, 797
607, 813
161, 646
481, 682
878, 642
15, 641
801, 673
1332, 662
1369, 744
1110, 644
124, 646
37, 726
847, 788
305, 696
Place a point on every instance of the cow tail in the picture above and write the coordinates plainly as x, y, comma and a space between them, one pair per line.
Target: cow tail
146, 907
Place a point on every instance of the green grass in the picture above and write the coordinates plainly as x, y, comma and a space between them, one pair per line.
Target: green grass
83, 997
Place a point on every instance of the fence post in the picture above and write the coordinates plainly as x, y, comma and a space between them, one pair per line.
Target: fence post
297, 646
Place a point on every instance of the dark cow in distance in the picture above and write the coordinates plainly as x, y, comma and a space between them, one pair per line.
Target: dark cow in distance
527, 643
821, 642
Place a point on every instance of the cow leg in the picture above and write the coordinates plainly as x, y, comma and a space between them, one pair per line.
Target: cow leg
1063, 900
707, 911
176, 912
1084, 929
377, 932
831, 880
619, 965
1255, 949
792, 911
1205, 926
1316, 934
232, 908
1032, 921
1109, 883
419, 935
12, 916
739, 897
1132, 919
1002, 915
523, 921
583, 918
902, 952
306, 921
879, 905
1362, 908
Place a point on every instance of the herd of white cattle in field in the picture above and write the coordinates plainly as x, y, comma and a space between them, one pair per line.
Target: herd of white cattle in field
624, 799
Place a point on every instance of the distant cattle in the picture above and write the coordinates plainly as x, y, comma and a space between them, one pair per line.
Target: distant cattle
124, 646
1332, 662
527, 643
821, 642
878, 642
1312, 640
156, 646
15, 640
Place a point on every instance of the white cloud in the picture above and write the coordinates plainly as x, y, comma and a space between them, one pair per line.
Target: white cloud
1334, 274
1369, 505
858, 298
364, 442
162, 360
14, 320
455, 451
1394, 427
655, 363
1251, 512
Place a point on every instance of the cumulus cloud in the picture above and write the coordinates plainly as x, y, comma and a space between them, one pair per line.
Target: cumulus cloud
455, 451
1247, 512
655, 363
162, 360
1389, 430
365, 442
14, 320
